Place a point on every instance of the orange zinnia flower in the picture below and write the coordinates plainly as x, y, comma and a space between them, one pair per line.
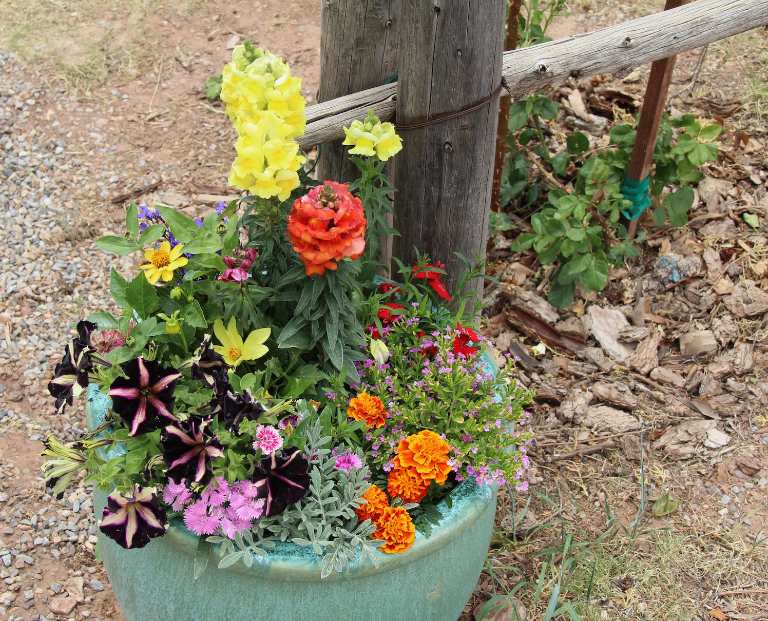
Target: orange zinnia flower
367, 408
395, 527
325, 226
427, 454
407, 484
375, 502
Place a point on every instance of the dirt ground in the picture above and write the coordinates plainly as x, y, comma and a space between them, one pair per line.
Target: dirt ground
620, 521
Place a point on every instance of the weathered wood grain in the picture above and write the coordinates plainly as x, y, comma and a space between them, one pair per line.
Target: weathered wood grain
449, 57
610, 50
357, 51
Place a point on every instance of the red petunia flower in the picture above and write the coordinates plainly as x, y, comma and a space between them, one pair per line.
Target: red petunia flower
325, 226
461, 343
433, 278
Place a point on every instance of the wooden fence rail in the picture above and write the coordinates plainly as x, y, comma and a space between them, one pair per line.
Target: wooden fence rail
610, 50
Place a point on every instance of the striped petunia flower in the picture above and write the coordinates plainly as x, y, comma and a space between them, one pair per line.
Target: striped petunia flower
132, 521
144, 399
188, 448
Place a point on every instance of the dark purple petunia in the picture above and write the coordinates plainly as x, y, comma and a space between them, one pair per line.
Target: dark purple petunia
234, 408
282, 480
84, 331
70, 375
211, 369
133, 521
145, 399
188, 448
230, 407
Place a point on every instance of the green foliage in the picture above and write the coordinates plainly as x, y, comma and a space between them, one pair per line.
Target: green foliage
579, 226
212, 87
324, 520
375, 191
535, 18
454, 396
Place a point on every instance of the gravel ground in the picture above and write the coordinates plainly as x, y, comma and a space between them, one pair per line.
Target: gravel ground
50, 274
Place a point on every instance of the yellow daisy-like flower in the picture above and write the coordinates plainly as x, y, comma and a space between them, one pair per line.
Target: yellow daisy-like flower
163, 261
233, 348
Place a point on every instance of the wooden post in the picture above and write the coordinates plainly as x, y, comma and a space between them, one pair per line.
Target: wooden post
357, 52
449, 60
510, 43
650, 117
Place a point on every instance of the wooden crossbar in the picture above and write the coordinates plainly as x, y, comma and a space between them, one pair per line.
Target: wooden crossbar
609, 50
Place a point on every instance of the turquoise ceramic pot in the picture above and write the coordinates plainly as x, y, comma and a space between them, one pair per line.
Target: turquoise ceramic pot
430, 582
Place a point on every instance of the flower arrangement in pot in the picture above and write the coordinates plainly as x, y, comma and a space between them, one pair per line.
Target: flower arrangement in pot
260, 397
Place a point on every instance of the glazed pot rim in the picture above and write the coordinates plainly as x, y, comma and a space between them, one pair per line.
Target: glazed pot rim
292, 562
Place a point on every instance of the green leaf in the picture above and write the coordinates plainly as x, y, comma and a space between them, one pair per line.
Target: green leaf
665, 505
132, 220
150, 235
596, 276
561, 295
623, 135
200, 562
116, 245
702, 153
117, 287
300, 380
141, 296
687, 172
751, 219
103, 319
212, 87
560, 163
288, 335
710, 132
182, 226
518, 116
678, 204
546, 108
576, 234
577, 143
207, 243
194, 316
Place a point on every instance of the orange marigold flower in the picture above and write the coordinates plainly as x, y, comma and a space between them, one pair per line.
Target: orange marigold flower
325, 226
367, 408
395, 527
375, 502
407, 484
427, 454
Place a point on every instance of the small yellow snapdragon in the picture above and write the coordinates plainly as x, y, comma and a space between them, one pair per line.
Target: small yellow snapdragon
372, 138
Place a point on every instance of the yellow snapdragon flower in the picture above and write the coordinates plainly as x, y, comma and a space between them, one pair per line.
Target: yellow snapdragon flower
264, 102
162, 262
233, 349
372, 138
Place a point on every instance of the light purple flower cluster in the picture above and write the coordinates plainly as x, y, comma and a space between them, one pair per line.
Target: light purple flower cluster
225, 508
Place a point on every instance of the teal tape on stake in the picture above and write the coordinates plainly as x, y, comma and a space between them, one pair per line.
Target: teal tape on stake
639, 193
